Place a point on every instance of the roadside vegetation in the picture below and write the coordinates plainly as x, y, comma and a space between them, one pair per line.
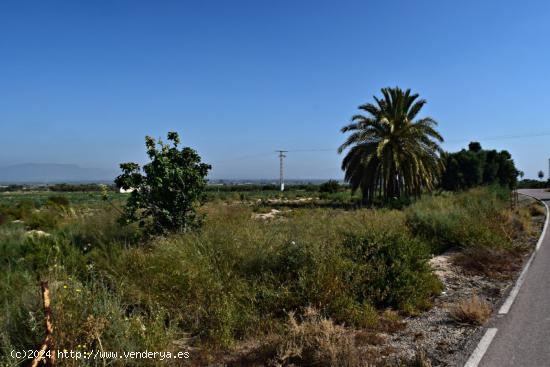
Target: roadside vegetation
239, 277
311, 277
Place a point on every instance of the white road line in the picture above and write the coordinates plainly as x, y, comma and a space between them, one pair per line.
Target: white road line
481, 348
505, 308
513, 294
545, 225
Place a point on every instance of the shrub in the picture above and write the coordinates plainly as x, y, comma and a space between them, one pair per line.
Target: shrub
317, 341
391, 269
58, 200
44, 219
536, 209
474, 311
330, 187
22, 209
165, 198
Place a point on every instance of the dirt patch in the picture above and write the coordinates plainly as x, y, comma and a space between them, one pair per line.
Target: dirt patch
273, 213
442, 265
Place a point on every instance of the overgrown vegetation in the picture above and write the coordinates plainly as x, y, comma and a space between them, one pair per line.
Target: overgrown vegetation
238, 278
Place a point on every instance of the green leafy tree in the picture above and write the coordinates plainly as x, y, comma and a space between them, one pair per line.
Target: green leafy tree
391, 153
168, 190
476, 166
541, 175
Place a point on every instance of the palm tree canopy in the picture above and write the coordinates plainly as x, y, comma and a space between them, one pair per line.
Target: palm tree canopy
390, 149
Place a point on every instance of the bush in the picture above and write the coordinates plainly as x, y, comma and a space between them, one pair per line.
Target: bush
536, 209
58, 200
44, 219
330, 187
392, 270
317, 341
474, 311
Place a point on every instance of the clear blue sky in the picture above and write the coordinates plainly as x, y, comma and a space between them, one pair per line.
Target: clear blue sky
84, 81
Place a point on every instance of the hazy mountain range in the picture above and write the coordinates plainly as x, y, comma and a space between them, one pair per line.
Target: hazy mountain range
48, 173
53, 173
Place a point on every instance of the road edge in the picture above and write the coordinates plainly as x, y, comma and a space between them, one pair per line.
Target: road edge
483, 345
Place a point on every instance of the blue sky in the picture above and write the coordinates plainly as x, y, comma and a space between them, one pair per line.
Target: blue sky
84, 81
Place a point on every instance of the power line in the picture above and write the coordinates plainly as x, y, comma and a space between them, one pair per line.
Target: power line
244, 157
282, 155
312, 150
502, 137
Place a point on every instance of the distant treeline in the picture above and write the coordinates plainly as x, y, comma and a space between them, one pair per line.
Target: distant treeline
533, 184
63, 187
475, 167
80, 187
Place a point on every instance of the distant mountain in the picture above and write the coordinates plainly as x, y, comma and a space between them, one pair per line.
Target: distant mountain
53, 173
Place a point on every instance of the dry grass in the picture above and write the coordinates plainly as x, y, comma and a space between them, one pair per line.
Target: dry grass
493, 263
317, 341
390, 322
536, 209
420, 360
366, 337
473, 311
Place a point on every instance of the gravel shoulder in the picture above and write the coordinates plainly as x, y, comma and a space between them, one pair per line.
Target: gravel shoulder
435, 333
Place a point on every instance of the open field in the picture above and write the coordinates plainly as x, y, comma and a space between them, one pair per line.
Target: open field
310, 284
41, 197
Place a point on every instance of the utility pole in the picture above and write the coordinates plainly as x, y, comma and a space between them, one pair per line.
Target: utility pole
281, 156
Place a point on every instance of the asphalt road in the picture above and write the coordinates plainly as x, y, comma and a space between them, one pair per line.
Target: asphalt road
523, 335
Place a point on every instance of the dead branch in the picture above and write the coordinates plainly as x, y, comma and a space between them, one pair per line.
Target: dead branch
48, 343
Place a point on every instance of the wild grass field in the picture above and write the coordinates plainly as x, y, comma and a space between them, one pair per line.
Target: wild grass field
243, 290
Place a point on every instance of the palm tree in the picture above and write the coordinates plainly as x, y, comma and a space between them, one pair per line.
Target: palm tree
391, 153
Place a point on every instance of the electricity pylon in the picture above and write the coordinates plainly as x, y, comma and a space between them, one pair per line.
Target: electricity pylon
281, 156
